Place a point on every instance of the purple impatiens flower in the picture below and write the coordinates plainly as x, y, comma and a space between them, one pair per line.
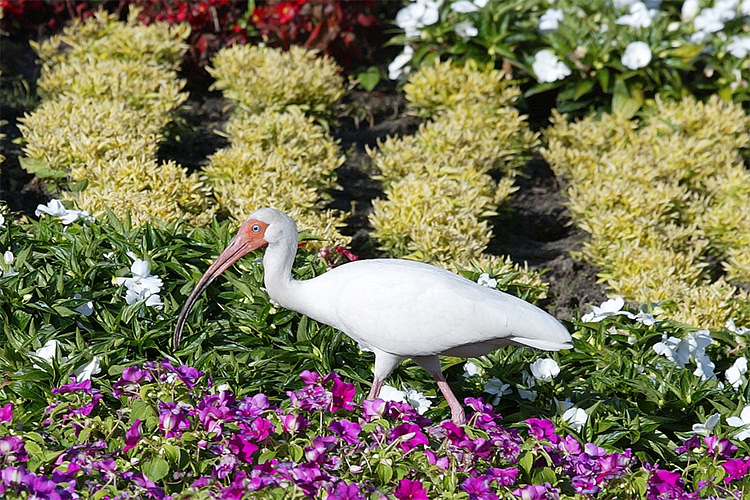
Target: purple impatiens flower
346, 430
6, 413
12, 450
133, 435
188, 375
130, 383
172, 419
409, 489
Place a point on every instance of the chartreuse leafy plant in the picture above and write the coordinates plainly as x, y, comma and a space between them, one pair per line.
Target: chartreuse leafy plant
260, 78
109, 89
279, 154
439, 193
665, 203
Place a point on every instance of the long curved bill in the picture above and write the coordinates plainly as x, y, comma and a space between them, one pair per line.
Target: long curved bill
237, 248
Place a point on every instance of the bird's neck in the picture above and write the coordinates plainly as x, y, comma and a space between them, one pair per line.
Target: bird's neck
277, 267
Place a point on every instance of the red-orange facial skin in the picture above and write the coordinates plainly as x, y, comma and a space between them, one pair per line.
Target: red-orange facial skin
252, 233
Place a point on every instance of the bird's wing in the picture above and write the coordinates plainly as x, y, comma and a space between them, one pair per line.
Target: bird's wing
414, 309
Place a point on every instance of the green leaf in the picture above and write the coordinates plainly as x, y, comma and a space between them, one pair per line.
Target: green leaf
526, 461
684, 53
384, 472
624, 104
38, 167
369, 78
155, 469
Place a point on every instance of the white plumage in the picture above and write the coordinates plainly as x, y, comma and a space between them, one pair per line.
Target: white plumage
397, 308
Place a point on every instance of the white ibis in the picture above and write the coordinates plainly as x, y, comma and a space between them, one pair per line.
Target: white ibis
397, 308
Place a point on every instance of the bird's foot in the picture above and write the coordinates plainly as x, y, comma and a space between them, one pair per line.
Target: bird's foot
458, 416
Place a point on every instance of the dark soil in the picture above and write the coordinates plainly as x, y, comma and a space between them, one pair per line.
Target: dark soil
536, 229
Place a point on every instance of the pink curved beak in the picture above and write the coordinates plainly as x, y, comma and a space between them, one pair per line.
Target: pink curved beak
237, 248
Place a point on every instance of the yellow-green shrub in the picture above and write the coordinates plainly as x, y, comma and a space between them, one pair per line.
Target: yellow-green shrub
142, 84
262, 78
144, 188
284, 160
445, 86
103, 37
72, 131
471, 136
663, 200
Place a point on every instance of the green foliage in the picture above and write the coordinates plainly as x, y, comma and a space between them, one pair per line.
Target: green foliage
664, 202
261, 78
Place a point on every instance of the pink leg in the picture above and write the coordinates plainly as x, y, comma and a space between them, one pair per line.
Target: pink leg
377, 384
457, 412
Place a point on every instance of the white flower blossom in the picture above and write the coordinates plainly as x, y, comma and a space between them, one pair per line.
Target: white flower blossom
86, 371
56, 209
548, 68
545, 369
2, 220
400, 64
527, 395
549, 20
709, 20
142, 285
575, 417
485, 280
690, 9
735, 372
86, 309
739, 47
611, 307
416, 400
417, 15
732, 327
637, 55
497, 388
464, 7
47, 352
639, 16
465, 29
646, 318
471, 369
6, 270
742, 421
707, 427
680, 351
745, 8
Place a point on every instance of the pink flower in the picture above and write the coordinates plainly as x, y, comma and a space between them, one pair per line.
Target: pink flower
410, 490
410, 434
293, 424
133, 435
242, 448
172, 420
736, 468
542, 429
478, 488
6, 413
346, 430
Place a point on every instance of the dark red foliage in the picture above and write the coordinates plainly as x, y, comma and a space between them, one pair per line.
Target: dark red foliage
339, 28
22, 16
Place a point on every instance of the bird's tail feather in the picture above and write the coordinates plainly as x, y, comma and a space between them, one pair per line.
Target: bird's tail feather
542, 344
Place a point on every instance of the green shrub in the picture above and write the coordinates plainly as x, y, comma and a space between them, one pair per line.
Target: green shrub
664, 201
104, 37
71, 132
262, 78
445, 85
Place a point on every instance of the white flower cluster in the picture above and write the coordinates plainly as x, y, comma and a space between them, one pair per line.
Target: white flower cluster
55, 208
415, 399
142, 285
681, 351
48, 352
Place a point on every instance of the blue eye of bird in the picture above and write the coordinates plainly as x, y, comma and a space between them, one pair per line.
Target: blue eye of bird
256, 228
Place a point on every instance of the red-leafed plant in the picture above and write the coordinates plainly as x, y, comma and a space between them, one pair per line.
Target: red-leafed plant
339, 28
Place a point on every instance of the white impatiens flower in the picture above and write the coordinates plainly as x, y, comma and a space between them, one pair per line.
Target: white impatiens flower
471, 369
742, 421
465, 29
709, 20
745, 8
575, 417
485, 280
497, 388
86, 309
611, 307
548, 68
47, 352
2, 220
707, 427
739, 47
732, 327
690, 9
400, 64
417, 15
55, 208
735, 372
415, 399
464, 7
6, 270
680, 351
143, 285
86, 371
646, 318
637, 55
638, 16
545, 369
549, 20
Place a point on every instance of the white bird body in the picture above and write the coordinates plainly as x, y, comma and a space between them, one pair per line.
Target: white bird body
397, 308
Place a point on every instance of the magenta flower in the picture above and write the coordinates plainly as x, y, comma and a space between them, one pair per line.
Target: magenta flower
130, 382
736, 468
12, 450
145, 483
536, 492
343, 394
373, 409
253, 407
133, 435
409, 489
320, 446
6, 413
187, 374
665, 484
72, 387
345, 491
442, 462
258, 430
410, 436
13, 477
172, 420
242, 448
293, 424
346, 430
478, 488
721, 448
504, 477
542, 429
